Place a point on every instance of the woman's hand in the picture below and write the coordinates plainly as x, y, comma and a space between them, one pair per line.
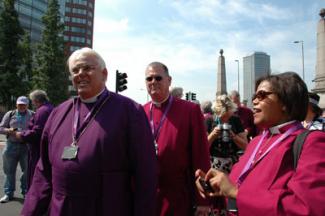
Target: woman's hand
219, 181
214, 134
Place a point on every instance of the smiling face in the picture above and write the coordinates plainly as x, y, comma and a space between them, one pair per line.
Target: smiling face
21, 108
268, 110
87, 76
157, 83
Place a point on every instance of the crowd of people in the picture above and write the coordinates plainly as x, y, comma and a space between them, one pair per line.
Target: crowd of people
101, 153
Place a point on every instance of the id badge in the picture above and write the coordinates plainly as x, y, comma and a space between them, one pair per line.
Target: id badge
156, 147
70, 152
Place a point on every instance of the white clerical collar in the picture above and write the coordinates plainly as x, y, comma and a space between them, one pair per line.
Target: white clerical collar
276, 129
92, 99
158, 104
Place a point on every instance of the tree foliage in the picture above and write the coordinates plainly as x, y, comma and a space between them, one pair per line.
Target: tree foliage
50, 74
12, 73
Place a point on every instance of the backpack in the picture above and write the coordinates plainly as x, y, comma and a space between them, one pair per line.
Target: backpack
297, 146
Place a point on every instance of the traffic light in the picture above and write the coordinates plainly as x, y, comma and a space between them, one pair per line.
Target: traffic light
193, 96
120, 84
187, 96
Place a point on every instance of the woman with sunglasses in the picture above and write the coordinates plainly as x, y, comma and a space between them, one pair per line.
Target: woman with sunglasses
265, 181
227, 137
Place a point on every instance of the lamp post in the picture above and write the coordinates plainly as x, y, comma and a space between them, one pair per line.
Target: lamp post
238, 73
303, 58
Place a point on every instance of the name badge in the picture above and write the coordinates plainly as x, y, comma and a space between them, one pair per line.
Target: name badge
70, 152
156, 147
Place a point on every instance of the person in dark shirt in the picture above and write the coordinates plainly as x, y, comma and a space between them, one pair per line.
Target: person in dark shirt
227, 136
245, 114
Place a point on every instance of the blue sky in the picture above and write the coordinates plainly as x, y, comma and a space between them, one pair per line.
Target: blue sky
187, 35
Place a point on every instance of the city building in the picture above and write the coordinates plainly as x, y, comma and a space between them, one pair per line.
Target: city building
77, 15
254, 67
79, 24
30, 16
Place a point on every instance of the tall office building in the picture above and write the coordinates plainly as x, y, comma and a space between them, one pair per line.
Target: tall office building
77, 15
30, 16
79, 24
255, 66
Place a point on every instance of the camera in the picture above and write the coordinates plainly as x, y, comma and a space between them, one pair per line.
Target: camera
206, 185
225, 132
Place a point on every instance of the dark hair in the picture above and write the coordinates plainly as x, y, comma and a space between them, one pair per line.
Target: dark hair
292, 92
159, 64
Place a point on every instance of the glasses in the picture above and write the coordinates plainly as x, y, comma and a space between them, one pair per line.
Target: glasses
261, 95
157, 78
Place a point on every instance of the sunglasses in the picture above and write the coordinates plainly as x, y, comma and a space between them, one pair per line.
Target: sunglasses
157, 78
261, 95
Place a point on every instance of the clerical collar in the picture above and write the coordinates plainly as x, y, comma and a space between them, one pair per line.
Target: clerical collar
158, 104
92, 99
276, 129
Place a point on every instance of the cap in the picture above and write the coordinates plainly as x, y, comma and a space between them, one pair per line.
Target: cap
22, 100
313, 98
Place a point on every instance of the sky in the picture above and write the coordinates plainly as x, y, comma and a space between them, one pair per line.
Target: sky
187, 35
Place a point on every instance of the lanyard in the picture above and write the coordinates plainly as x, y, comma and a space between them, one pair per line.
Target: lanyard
156, 132
248, 167
77, 132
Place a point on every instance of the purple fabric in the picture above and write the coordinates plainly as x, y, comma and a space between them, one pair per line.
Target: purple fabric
247, 119
182, 149
115, 169
274, 187
33, 137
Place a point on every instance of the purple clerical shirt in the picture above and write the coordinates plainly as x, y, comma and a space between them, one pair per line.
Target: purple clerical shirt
182, 149
273, 187
114, 172
33, 137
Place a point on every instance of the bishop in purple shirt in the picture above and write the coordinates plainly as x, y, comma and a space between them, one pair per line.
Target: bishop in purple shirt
32, 135
97, 153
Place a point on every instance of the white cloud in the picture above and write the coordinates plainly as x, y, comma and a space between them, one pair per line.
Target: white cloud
187, 37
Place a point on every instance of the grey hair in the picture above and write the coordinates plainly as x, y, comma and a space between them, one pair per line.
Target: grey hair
234, 93
39, 96
177, 91
206, 107
159, 64
223, 104
86, 51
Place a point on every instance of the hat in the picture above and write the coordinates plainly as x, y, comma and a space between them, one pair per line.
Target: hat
22, 100
313, 98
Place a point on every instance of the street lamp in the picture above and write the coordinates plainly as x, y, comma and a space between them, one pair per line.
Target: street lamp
238, 73
303, 58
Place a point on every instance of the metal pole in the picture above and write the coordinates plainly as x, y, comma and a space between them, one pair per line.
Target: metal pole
303, 60
238, 74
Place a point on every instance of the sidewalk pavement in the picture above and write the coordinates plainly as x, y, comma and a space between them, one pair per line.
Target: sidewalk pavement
2, 139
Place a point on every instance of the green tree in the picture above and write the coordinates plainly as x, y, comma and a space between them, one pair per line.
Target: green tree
27, 63
50, 74
10, 55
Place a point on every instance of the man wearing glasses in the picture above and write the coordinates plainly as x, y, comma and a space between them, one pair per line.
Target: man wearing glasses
180, 142
97, 155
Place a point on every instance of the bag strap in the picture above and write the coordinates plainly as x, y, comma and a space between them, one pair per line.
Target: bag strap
12, 113
297, 146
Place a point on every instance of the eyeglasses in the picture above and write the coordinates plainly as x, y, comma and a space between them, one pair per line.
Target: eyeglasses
261, 95
157, 78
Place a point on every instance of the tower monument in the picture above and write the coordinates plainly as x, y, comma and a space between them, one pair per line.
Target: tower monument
320, 64
221, 75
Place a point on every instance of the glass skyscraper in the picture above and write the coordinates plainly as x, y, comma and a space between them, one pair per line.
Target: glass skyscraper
77, 16
255, 66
